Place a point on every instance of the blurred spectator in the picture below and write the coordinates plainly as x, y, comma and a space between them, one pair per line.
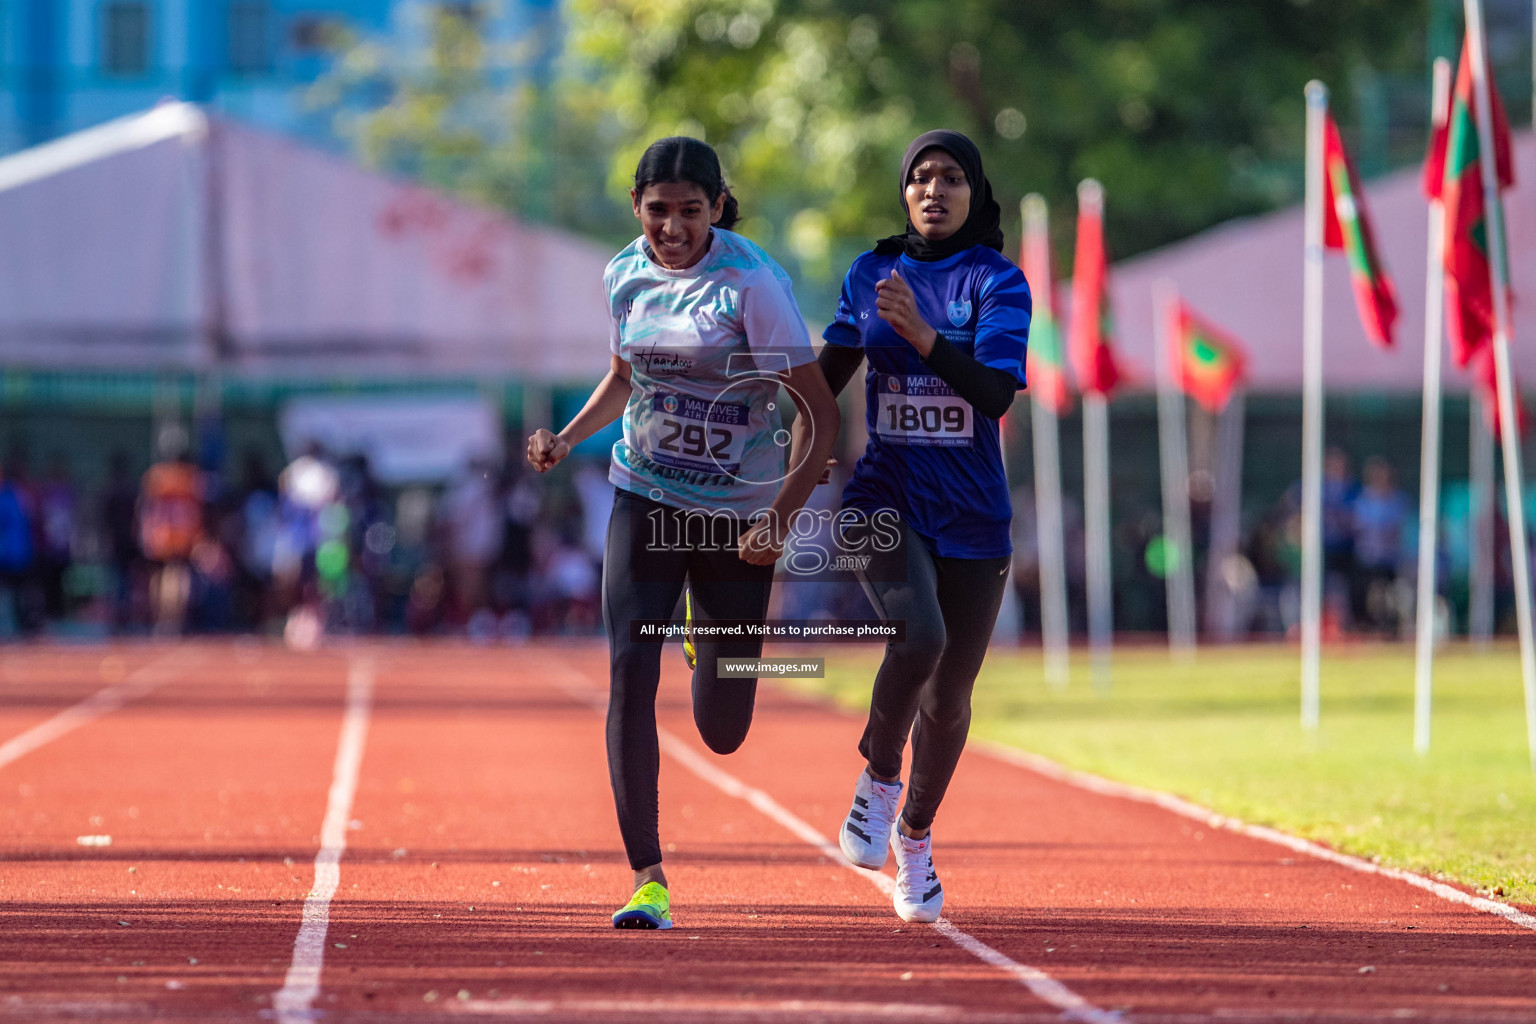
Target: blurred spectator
370, 542
307, 487
119, 508
415, 605
57, 515
16, 555
256, 541
1075, 540
522, 499
1265, 553
1026, 561
569, 586
1379, 513
1339, 493
212, 603
473, 534
1339, 490
1140, 589
170, 526
595, 493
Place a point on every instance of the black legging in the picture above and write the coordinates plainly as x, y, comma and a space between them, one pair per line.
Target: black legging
950, 606
651, 549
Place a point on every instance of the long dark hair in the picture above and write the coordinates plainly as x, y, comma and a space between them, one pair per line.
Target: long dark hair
679, 158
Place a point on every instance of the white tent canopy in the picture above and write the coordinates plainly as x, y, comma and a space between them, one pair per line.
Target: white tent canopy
1246, 277
172, 241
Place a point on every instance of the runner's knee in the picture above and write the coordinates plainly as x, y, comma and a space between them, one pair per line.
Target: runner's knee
723, 735
924, 643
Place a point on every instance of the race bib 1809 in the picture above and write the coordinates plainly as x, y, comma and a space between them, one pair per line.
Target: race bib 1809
694, 433
922, 409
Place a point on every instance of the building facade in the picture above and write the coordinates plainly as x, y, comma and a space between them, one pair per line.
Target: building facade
70, 64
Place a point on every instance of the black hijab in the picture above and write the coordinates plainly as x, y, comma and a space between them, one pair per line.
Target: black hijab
983, 224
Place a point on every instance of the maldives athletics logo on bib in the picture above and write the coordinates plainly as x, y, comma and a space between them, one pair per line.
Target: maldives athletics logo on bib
960, 312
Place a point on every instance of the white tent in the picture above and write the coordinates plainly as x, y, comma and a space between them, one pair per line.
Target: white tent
1246, 277
173, 241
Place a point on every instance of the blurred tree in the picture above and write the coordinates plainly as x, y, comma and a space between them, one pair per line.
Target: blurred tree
1189, 111
479, 119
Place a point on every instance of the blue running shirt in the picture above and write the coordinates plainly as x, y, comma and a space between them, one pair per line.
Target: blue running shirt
702, 429
931, 455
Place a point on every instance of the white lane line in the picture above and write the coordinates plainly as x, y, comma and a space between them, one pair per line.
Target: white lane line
734, 1009
1073, 1007
136, 684
301, 985
1184, 808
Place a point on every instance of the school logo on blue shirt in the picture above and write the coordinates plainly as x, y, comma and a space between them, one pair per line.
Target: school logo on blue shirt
960, 312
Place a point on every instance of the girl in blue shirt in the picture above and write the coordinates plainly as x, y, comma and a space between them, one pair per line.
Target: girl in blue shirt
942, 317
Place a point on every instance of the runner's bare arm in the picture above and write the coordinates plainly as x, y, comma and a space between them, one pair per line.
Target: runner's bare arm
812, 441
546, 449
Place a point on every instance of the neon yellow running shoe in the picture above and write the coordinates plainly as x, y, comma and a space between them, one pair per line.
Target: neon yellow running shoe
690, 653
650, 907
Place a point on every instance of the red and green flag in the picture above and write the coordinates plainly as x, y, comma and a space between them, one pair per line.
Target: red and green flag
1089, 342
1346, 226
1485, 379
1208, 363
1045, 364
1453, 172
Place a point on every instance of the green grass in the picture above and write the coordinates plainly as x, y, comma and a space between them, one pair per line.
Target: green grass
1224, 732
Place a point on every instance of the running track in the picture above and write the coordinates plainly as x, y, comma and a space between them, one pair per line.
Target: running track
392, 832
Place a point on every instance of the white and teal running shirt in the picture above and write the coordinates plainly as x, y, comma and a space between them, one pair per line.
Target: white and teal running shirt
702, 429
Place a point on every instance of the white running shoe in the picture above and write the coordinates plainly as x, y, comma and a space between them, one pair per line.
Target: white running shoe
866, 833
919, 896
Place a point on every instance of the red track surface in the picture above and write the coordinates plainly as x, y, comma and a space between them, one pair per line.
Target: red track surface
483, 860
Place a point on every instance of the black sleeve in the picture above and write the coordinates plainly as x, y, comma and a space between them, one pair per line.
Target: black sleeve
838, 364
987, 388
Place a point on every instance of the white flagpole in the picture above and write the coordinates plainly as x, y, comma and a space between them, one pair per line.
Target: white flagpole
1429, 453
1048, 518
1096, 528
1174, 451
1480, 573
1312, 412
1090, 195
1509, 424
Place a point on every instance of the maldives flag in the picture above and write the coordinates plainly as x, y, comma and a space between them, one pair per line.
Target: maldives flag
1093, 360
1346, 226
1045, 365
1207, 363
1468, 273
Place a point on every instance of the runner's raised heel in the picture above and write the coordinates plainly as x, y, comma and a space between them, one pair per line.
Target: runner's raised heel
866, 832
